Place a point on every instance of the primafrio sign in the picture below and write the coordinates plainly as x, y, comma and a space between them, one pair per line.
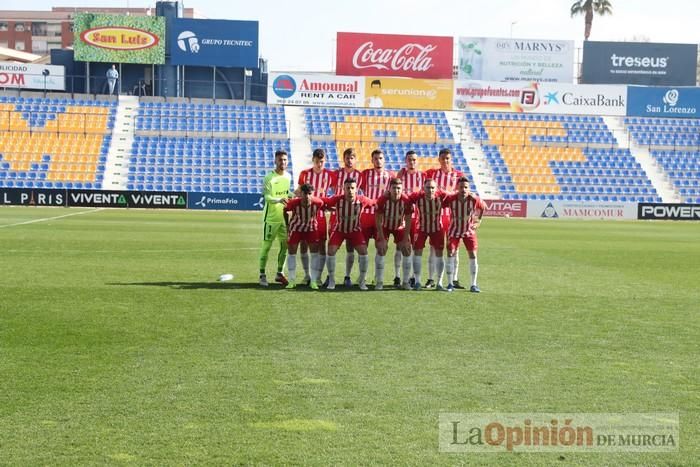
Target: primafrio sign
360, 54
315, 89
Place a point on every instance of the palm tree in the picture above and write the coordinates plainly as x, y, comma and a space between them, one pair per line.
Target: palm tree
587, 8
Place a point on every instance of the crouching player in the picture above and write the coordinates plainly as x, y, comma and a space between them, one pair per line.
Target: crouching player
348, 206
467, 210
393, 218
304, 227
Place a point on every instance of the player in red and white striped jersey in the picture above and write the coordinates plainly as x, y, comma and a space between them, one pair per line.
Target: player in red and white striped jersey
412, 180
347, 171
349, 206
429, 204
467, 210
393, 218
303, 227
321, 179
446, 177
374, 183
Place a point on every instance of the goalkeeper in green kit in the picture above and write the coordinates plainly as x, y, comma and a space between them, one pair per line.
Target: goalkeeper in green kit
276, 186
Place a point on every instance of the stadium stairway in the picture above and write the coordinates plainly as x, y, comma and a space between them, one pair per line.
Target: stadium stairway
299, 140
117, 167
658, 177
482, 174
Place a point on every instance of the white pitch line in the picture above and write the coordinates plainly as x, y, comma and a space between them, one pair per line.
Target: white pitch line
44, 219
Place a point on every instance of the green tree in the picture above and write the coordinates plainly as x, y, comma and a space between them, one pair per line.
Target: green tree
587, 8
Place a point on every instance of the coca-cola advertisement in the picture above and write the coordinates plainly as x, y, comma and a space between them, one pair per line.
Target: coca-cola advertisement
360, 54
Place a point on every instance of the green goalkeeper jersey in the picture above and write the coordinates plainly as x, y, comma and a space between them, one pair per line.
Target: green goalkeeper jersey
275, 187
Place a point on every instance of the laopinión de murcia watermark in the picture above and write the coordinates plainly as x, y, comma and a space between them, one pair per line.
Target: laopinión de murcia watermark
559, 432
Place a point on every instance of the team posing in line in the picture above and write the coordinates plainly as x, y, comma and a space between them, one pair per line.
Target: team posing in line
411, 206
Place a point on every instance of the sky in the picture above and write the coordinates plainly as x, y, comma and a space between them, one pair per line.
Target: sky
300, 35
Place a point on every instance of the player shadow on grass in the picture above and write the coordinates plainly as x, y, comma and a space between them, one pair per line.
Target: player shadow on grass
197, 285
240, 286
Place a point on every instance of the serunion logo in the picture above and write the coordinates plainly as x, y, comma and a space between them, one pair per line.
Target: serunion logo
671, 97
284, 86
187, 42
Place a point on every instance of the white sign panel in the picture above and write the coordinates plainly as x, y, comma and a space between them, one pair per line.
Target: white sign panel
581, 210
316, 89
28, 76
543, 98
494, 59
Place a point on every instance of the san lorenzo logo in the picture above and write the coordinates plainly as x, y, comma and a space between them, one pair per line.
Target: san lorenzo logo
284, 86
187, 42
671, 97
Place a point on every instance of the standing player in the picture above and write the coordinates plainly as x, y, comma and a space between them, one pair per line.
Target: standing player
374, 182
446, 178
467, 210
412, 180
321, 180
393, 218
429, 204
304, 227
276, 186
347, 171
349, 205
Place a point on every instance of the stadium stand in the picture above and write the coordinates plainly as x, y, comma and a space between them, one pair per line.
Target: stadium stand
673, 144
394, 131
572, 158
54, 143
217, 148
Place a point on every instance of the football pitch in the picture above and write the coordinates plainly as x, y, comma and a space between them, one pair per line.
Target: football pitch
118, 346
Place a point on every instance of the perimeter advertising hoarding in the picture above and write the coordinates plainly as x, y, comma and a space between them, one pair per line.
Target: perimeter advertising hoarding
404, 93
581, 210
644, 101
213, 42
127, 199
548, 98
316, 89
499, 59
118, 38
28, 76
226, 201
669, 212
361, 54
32, 197
644, 63
505, 208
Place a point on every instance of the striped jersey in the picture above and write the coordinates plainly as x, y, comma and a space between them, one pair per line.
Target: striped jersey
393, 211
340, 175
374, 183
465, 213
428, 211
321, 181
348, 212
445, 181
304, 218
412, 182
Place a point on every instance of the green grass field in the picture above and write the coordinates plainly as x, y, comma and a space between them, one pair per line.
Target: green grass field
117, 345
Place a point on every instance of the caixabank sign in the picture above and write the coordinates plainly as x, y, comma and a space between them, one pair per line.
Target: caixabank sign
668, 212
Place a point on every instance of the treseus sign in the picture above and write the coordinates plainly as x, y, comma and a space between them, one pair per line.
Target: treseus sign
360, 54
